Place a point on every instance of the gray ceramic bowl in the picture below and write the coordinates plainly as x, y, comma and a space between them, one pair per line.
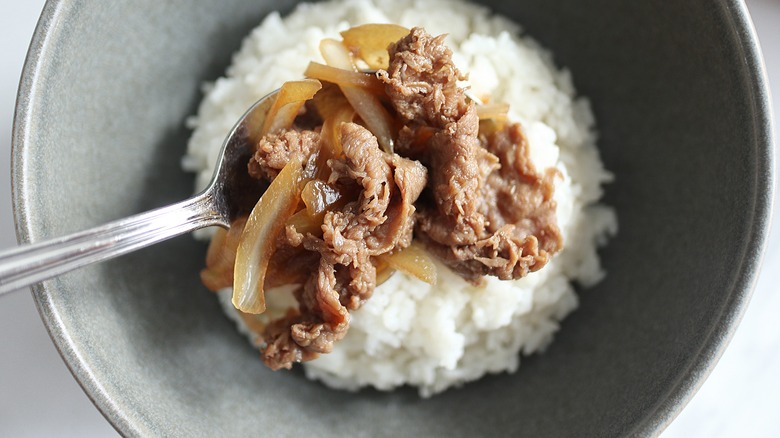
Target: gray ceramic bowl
681, 98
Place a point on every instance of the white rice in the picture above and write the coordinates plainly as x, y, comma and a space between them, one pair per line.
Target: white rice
410, 333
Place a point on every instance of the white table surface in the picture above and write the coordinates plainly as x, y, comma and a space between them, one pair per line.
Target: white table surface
39, 397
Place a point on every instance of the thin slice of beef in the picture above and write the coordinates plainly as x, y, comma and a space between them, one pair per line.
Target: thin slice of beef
380, 220
273, 151
486, 210
476, 201
521, 230
421, 80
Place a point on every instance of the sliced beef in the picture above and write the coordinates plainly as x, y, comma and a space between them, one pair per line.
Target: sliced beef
476, 202
486, 210
459, 169
380, 220
273, 151
421, 80
521, 228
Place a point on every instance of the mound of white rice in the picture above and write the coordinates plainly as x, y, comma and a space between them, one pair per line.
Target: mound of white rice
410, 332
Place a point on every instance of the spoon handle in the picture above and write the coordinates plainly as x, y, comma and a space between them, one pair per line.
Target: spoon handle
34, 263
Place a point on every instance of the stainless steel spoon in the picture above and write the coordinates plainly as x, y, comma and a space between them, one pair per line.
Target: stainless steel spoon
230, 193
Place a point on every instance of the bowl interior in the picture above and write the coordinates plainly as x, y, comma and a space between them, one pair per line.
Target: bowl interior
681, 107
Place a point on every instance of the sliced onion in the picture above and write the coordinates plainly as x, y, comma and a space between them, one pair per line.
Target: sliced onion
317, 195
498, 111
369, 42
215, 254
383, 271
413, 260
337, 55
289, 100
334, 109
366, 104
330, 144
252, 322
258, 241
374, 115
344, 77
306, 223
221, 256
329, 100
489, 127
309, 221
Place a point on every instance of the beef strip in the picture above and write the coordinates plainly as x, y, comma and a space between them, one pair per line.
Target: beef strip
422, 80
484, 210
488, 211
380, 220
273, 151
518, 208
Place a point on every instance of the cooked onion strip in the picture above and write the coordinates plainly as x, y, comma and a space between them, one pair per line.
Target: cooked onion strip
289, 101
306, 223
369, 42
330, 145
214, 275
258, 241
309, 220
367, 105
221, 256
215, 255
374, 115
329, 100
412, 260
383, 271
336, 55
344, 78
318, 195
252, 321
493, 111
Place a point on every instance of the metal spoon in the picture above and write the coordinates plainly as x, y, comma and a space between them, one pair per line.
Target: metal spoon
230, 193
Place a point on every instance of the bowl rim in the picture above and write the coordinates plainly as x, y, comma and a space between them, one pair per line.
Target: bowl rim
40, 47
681, 392
659, 416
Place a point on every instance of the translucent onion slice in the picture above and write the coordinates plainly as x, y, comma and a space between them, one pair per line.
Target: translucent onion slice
215, 276
330, 145
367, 105
332, 129
413, 260
334, 109
306, 223
498, 111
258, 241
318, 195
221, 256
215, 253
383, 271
369, 42
329, 100
491, 126
337, 55
291, 97
344, 77
309, 221
252, 321
374, 115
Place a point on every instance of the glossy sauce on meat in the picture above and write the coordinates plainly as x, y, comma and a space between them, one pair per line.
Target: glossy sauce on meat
487, 211
472, 197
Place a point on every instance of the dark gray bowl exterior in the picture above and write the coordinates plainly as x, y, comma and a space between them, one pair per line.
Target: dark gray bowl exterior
681, 98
